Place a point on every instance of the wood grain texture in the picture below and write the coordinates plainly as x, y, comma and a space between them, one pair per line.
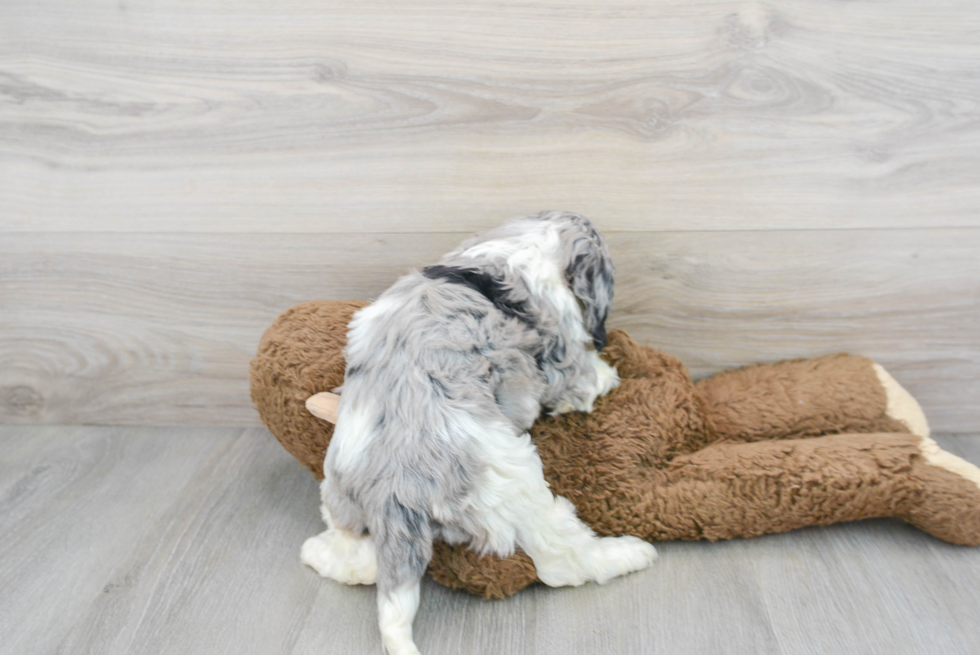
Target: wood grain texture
149, 540
73, 503
909, 300
778, 180
158, 329
330, 116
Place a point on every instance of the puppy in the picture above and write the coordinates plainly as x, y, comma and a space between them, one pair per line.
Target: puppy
446, 372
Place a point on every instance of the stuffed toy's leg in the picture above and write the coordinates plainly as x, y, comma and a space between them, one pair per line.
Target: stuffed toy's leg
745, 489
730, 490
808, 398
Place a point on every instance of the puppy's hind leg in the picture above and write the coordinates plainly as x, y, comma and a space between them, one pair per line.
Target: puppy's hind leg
404, 543
340, 554
565, 551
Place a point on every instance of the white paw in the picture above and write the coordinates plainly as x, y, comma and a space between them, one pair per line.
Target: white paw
606, 558
340, 556
621, 555
563, 408
607, 378
562, 576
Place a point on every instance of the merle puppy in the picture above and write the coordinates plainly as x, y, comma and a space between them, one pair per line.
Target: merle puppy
446, 372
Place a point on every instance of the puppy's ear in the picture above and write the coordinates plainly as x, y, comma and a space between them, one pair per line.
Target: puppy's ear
591, 277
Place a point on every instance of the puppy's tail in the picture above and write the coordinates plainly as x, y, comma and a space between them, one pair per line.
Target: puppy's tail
403, 538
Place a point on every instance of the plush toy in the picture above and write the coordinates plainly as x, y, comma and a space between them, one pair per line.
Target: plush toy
762, 449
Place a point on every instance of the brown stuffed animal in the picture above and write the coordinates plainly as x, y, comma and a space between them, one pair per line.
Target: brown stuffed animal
762, 449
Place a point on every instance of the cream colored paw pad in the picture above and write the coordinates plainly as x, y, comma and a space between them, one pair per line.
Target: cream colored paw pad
902, 406
946, 460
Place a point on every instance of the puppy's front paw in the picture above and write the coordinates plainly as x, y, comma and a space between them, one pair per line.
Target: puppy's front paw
582, 397
563, 408
607, 378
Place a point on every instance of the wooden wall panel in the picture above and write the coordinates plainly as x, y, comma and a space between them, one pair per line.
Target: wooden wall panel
777, 180
158, 328
338, 116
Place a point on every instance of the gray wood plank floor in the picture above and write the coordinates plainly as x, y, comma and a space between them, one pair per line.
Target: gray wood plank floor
186, 540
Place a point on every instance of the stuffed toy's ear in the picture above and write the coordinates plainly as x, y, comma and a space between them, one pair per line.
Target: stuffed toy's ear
323, 405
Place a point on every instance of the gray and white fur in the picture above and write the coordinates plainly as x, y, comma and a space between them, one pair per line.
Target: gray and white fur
446, 372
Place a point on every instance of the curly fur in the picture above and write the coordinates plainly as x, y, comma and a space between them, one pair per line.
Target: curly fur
445, 374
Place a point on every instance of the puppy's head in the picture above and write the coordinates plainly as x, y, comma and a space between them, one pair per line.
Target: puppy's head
588, 270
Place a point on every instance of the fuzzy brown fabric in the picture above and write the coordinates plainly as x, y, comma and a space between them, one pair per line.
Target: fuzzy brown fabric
808, 398
762, 449
300, 355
